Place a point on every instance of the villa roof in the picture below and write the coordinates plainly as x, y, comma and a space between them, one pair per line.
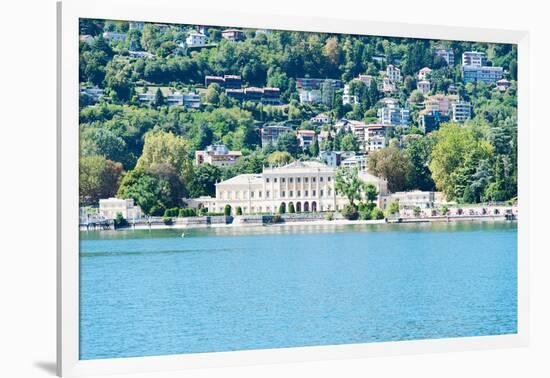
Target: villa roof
244, 179
301, 167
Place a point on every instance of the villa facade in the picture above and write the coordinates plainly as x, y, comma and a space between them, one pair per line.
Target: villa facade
308, 185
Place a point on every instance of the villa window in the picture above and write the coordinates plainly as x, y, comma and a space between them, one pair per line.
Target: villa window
282, 179
321, 179
313, 179
307, 193
321, 192
291, 193
275, 180
282, 193
328, 179
305, 180
329, 192
299, 193
252, 194
290, 180
260, 193
298, 180
267, 180
267, 194
314, 193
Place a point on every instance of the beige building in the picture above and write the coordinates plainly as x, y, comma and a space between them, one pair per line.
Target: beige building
218, 155
110, 207
414, 198
308, 185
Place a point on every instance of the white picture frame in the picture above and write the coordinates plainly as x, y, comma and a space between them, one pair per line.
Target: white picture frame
167, 11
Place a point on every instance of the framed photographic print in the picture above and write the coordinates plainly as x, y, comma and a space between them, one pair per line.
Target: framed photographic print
240, 189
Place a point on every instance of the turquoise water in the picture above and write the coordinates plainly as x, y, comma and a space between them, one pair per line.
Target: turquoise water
149, 293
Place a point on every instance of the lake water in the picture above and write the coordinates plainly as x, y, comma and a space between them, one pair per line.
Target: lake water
147, 293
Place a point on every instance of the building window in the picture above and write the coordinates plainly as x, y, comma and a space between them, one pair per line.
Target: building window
313, 179
299, 193
290, 180
267, 194
275, 180
314, 193
260, 193
291, 193
282, 179
298, 180
282, 193
328, 192
267, 180
328, 179
251, 194
321, 192
305, 180
307, 193
321, 179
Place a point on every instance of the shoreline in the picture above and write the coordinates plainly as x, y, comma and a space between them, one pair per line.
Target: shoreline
322, 222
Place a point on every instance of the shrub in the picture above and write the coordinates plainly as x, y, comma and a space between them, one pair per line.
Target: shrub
227, 210
120, 221
187, 213
350, 212
173, 212
167, 221
377, 213
329, 216
365, 210
291, 209
282, 208
239, 210
393, 208
416, 211
445, 210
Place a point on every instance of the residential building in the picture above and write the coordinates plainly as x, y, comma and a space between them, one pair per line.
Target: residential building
218, 155
226, 81
355, 161
430, 120
112, 36
270, 133
233, 35
446, 54
310, 96
440, 103
359, 129
485, 74
191, 100
331, 158
136, 25
392, 114
474, 59
393, 73
95, 93
321, 119
305, 138
266, 96
424, 73
462, 111
110, 207
413, 199
376, 137
140, 54
86, 38
196, 39
367, 79
503, 85
347, 98
308, 185
387, 86
315, 83
423, 86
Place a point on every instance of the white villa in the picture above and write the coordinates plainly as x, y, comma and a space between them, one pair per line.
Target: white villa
308, 185
110, 207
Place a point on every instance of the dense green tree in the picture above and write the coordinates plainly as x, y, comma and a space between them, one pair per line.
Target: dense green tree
392, 164
348, 184
98, 178
203, 180
288, 142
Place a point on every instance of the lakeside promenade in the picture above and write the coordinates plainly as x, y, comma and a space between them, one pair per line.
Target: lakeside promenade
455, 214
